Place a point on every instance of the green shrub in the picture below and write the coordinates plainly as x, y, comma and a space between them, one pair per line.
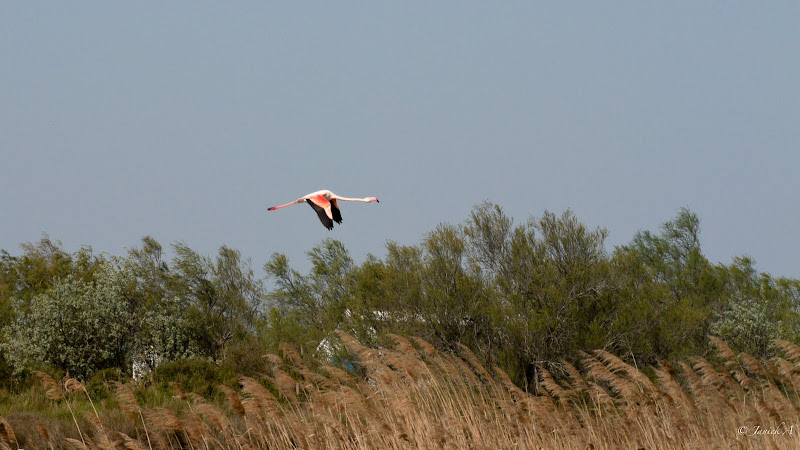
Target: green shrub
747, 327
99, 386
24, 379
76, 326
246, 359
195, 375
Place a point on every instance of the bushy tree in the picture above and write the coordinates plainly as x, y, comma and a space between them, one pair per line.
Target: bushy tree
77, 325
453, 302
151, 276
685, 290
224, 297
386, 296
759, 308
40, 267
747, 326
307, 309
163, 333
550, 283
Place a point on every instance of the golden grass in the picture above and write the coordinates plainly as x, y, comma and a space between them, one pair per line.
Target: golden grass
415, 397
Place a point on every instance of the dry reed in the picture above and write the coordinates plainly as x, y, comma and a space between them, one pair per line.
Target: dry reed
7, 435
413, 396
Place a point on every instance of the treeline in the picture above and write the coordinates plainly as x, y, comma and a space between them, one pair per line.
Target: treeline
520, 296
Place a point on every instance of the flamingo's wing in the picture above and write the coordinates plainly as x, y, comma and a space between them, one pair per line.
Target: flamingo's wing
327, 222
337, 215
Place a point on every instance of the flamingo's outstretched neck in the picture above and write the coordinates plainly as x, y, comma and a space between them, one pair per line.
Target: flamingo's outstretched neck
365, 199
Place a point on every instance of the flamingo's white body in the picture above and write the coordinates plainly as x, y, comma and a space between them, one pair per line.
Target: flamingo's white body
324, 203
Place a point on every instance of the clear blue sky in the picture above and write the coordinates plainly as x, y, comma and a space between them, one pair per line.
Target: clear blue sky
186, 120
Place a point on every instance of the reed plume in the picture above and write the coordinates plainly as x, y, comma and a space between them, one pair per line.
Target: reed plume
130, 443
102, 440
551, 386
723, 350
233, 400
418, 397
180, 392
53, 390
7, 435
130, 406
263, 399
43, 432
789, 349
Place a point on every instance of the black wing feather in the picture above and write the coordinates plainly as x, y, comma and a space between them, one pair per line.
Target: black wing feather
337, 215
326, 221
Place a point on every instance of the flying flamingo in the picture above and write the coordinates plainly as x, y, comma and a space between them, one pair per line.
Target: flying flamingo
324, 203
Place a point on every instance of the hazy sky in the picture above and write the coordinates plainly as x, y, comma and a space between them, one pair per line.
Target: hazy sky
186, 120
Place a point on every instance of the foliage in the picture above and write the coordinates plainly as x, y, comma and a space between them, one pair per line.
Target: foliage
77, 325
101, 383
164, 333
40, 267
306, 309
525, 296
522, 296
195, 375
244, 357
224, 296
746, 326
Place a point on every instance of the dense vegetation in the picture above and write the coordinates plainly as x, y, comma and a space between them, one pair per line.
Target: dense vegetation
409, 395
520, 296
527, 298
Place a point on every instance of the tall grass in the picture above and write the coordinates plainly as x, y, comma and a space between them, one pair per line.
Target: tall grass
411, 396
